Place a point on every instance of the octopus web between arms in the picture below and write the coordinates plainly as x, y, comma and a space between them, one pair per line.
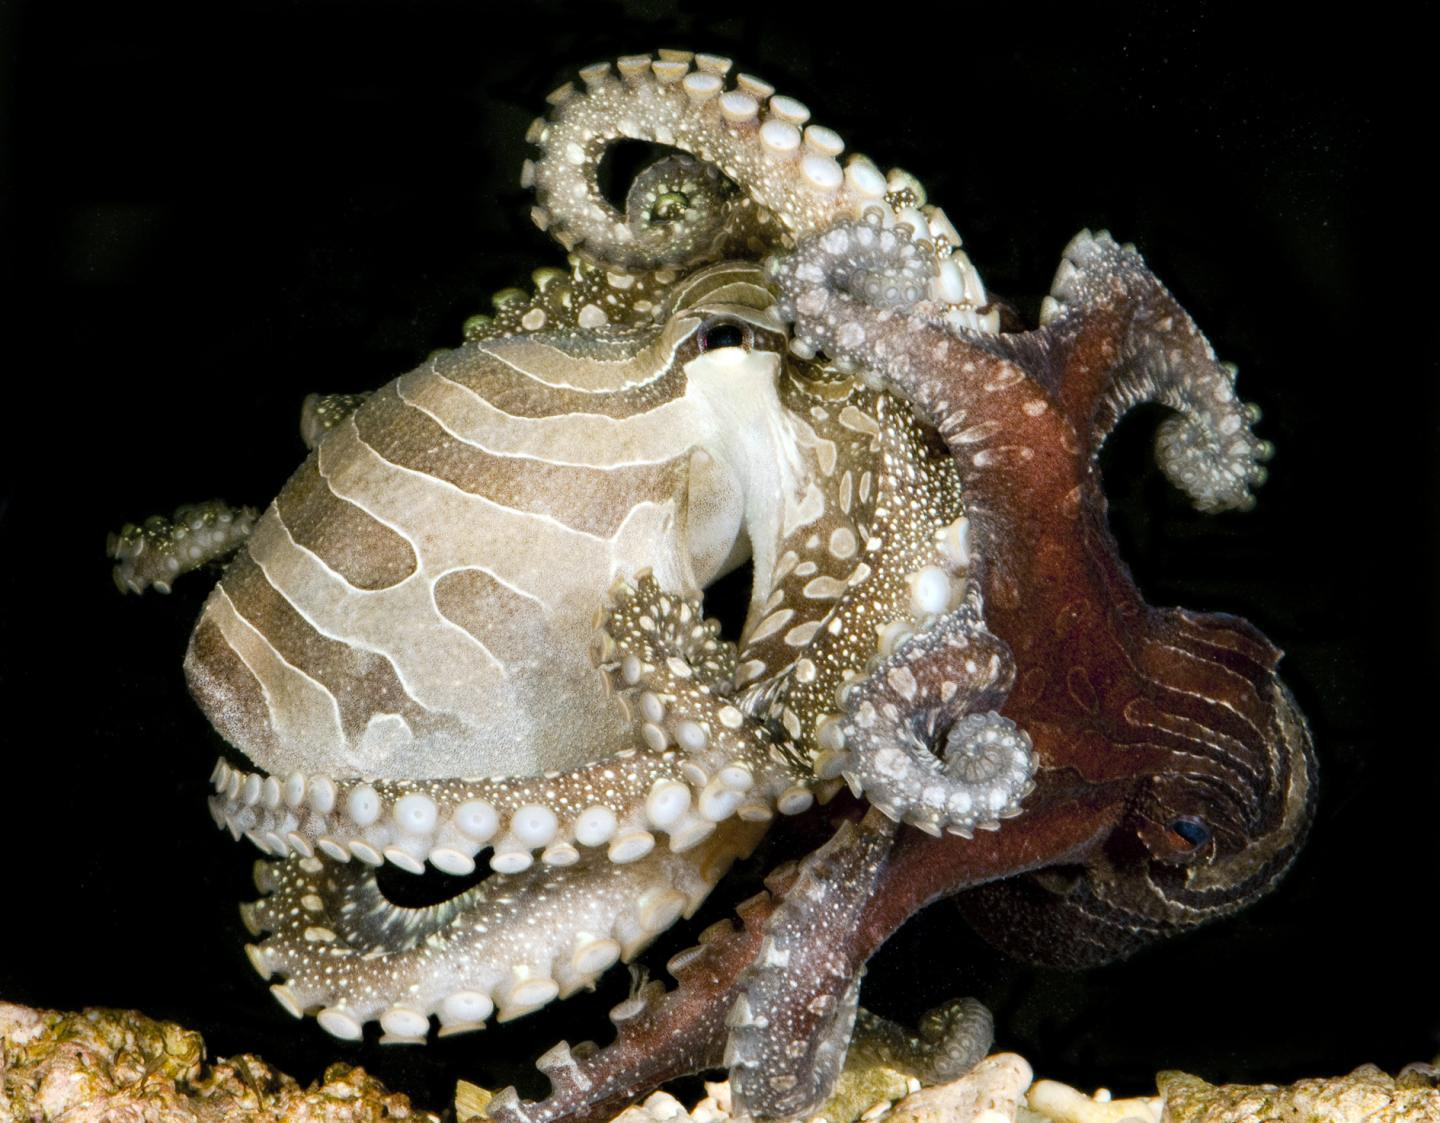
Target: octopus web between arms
469, 631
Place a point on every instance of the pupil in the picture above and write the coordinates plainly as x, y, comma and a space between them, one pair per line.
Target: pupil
1192, 831
722, 335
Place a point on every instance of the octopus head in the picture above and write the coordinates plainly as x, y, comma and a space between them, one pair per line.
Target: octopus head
1216, 821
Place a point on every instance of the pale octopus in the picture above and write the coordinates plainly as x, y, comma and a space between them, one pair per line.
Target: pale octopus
469, 629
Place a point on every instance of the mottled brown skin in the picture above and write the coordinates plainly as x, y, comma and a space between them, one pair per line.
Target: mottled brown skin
1145, 721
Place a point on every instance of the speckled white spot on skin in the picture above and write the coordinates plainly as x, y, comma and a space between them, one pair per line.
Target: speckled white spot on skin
802, 634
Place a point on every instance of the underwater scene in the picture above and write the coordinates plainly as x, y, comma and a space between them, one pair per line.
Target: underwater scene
716, 564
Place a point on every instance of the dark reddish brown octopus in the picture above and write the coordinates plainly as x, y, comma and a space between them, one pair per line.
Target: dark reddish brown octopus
1175, 775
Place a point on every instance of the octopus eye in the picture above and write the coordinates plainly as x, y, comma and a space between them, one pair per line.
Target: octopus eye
1191, 830
725, 333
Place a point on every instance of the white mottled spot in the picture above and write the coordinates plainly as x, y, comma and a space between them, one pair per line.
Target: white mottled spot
825, 588
858, 422
801, 634
902, 681
749, 671
771, 624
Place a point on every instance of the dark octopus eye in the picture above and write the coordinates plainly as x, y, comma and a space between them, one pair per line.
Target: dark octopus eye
1195, 833
724, 333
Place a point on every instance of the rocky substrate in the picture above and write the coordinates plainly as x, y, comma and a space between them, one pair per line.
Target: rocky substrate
120, 1066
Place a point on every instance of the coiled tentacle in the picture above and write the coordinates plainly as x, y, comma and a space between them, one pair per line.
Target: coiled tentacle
785, 176
753, 176
922, 739
849, 293
1207, 449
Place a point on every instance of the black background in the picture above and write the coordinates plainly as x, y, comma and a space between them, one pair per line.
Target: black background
213, 210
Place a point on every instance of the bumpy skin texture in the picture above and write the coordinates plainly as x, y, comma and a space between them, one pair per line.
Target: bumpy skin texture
470, 628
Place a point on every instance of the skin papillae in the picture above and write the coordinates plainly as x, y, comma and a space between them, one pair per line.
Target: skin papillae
939, 616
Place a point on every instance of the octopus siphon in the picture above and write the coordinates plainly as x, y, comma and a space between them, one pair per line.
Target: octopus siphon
469, 634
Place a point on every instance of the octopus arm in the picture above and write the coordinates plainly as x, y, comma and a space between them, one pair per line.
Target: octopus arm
659, 1035
792, 1021
1121, 339
664, 1034
322, 412
509, 945
922, 739
857, 292
1111, 337
687, 208
797, 1015
153, 554
952, 1039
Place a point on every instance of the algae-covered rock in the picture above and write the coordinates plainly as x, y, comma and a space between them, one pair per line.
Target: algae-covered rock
119, 1066
1367, 1095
